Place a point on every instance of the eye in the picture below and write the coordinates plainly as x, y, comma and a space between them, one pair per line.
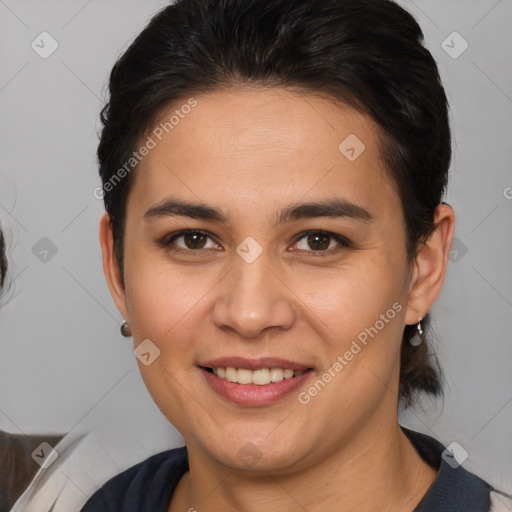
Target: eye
321, 242
188, 241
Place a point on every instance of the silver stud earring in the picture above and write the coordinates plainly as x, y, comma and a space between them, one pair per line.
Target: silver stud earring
125, 329
417, 340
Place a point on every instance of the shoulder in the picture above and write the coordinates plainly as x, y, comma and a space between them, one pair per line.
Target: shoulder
146, 486
454, 488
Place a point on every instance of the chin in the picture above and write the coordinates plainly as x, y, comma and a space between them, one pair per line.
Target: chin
258, 455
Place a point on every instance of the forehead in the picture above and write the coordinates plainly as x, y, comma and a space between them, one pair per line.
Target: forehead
249, 143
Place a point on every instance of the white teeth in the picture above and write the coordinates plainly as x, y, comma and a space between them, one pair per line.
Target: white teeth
276, 375
260, 377
231, 375
244, 376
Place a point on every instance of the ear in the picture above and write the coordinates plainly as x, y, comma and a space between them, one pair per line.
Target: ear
430, 265
110, 266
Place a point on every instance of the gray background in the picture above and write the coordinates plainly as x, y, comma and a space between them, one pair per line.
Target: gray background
62, 361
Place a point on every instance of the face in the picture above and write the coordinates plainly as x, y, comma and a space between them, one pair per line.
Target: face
263, 234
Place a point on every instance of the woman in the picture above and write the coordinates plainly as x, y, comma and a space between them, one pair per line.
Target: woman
273, 175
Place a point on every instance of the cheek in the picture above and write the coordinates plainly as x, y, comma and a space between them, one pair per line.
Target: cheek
166, 306
347, 300
359, 318
358, 312
162, 300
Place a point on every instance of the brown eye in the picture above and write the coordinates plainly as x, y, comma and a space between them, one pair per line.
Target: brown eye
191, 241
195, 240
319, 242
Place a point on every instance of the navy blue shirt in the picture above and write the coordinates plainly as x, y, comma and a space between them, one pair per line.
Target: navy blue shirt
149, 485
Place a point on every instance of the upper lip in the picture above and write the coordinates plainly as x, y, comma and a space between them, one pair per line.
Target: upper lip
254, 364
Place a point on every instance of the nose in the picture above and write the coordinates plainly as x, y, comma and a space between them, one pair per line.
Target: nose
253, 299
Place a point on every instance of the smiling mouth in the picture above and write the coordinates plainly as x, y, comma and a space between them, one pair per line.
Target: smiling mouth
260, 377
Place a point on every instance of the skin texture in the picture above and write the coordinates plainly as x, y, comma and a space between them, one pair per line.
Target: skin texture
251, 153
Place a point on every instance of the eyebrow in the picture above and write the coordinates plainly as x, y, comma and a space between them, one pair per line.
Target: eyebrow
334, 208
172, 207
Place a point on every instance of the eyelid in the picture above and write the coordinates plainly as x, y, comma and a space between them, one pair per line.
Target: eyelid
342, 241
183, 232
168, 239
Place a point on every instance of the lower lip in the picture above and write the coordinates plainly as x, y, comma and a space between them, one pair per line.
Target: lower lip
253, 395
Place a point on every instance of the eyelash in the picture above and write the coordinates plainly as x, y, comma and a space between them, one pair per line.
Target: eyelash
344, 243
